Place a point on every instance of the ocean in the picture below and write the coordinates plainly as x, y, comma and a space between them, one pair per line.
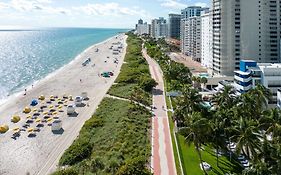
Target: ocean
27, 56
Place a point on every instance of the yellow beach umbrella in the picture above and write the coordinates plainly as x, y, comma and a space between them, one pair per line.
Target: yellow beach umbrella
38, 120
29, 116
15, 119
26, 110
30, 129
4, 128
45, 113
49, 119
51, 106
55, 113
41, 97
35, 109
60, 106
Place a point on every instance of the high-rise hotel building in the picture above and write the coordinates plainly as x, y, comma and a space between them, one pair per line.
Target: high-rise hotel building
245, 29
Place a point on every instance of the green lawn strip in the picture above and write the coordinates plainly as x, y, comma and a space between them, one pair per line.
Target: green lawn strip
134, 72
190, 160
123, 91
115, 134
171, 124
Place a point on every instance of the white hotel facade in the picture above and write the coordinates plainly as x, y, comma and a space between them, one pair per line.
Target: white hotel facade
206, 40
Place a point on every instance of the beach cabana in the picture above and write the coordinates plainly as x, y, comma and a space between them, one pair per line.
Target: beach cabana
34, 102
41, 97
15, 119
4, 128
26, 110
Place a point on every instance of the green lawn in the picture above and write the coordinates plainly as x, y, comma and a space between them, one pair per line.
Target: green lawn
190, 160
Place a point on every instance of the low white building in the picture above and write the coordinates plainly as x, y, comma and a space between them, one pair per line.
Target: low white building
252, 73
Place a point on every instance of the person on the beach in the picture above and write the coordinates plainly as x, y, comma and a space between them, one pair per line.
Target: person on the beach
80, 80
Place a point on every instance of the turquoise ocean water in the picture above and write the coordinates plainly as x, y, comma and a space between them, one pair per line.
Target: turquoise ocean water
28, 56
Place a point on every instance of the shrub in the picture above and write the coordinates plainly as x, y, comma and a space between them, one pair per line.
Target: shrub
147, 83
79, 150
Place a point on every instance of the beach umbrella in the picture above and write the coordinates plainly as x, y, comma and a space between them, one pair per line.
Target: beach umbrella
70, 98
38, 120
30, 129
29, 116
60, 106
45, 113
26, 110
15, 119
41, 97
4, 128
16, 129
51, 106
49, 119
34, 102
55, 113
64, 96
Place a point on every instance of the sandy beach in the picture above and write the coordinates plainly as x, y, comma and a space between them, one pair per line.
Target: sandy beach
40, 154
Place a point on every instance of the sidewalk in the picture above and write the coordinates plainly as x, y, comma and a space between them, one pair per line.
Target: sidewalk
162, 159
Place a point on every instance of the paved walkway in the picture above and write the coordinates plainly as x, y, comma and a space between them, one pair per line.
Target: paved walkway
162, 159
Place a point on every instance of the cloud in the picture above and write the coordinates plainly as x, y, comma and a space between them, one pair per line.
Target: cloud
174, 4
4, 5
202, 4
36, 5
109, 9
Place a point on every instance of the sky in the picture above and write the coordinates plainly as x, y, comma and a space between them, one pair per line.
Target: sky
87, 13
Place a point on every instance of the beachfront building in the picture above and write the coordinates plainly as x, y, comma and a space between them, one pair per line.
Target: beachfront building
143, 29
245, 29
252, 73
159, 28
206, 40
174, 26
191, 32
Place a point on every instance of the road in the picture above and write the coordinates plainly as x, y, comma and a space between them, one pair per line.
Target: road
162, 159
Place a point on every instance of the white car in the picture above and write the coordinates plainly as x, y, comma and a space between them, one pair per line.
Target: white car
206, 166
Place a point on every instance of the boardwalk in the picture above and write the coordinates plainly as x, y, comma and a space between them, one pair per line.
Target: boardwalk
162, 159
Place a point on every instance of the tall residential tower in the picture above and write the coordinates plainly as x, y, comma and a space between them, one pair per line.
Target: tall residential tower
245, 29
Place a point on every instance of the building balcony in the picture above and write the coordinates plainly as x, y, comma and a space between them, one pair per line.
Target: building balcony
241, 88
242, 79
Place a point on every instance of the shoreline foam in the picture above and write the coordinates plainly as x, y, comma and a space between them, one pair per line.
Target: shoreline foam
20, 91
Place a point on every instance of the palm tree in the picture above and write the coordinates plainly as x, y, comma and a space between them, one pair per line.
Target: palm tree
226, 97
261, 95
203, 81
196, 131
189, 101
247, 137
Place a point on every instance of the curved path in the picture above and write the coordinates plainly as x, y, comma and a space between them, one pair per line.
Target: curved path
162, 159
